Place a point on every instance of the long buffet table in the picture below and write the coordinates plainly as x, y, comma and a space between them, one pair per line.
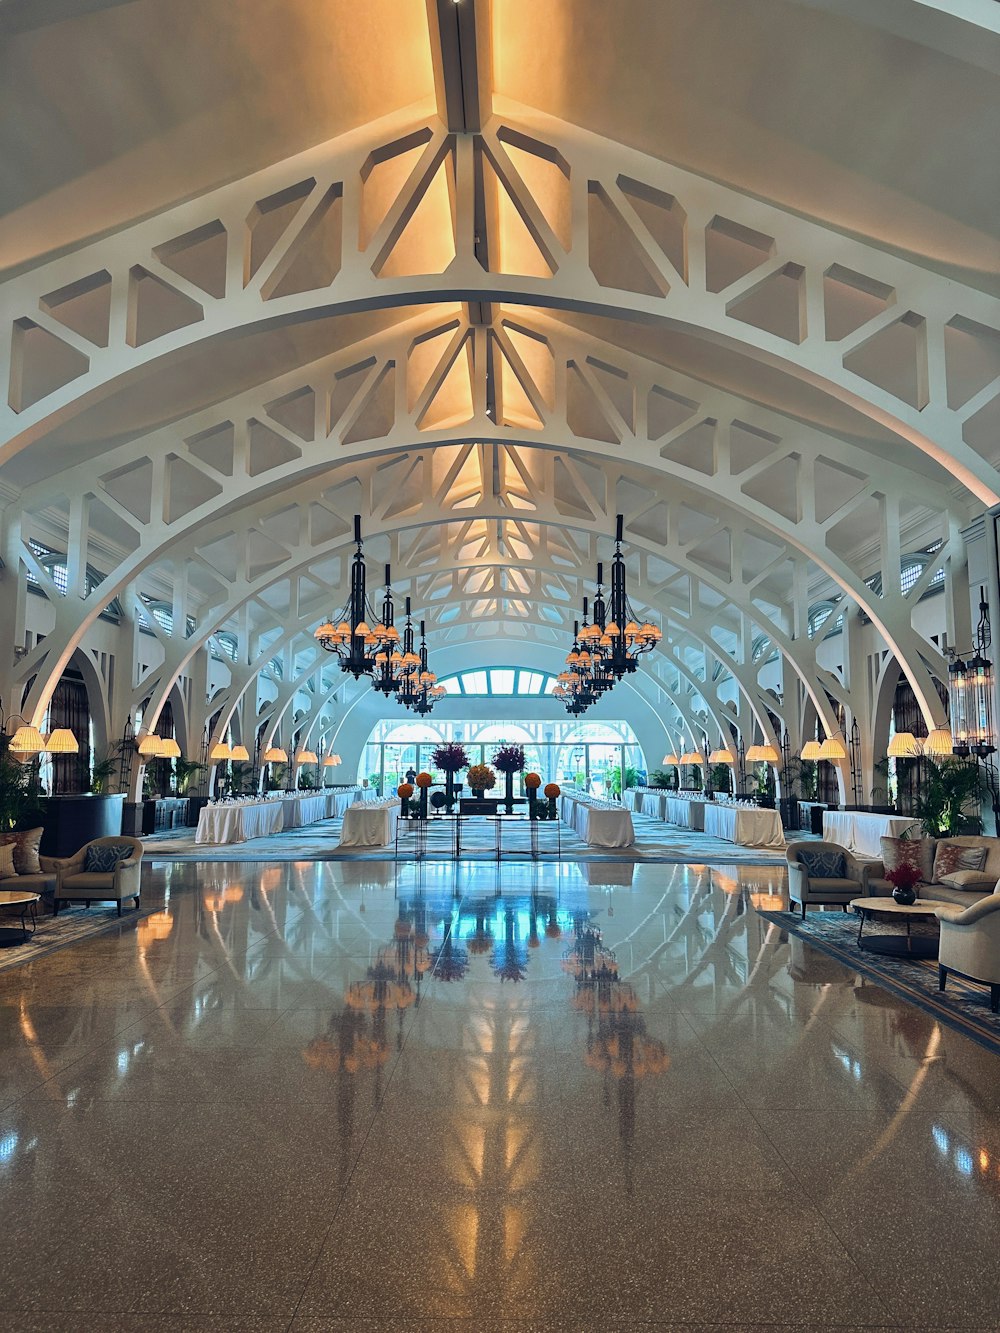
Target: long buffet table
861, 831
239, 821
685, 813
748, 826
598, 823
370, 823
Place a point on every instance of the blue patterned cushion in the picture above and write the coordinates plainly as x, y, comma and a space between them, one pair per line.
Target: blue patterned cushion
824, 865
102, 860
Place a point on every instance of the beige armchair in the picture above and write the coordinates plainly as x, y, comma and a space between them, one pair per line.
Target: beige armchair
970, 944
806, 889
74, 884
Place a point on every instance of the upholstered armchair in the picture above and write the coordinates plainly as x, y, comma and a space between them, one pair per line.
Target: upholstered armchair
806, 885
82, 877
970, 944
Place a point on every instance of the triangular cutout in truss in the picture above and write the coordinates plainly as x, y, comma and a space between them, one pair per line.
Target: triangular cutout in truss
296, 412
630, 498
40, 363
653, 525
397, 486
694, 448
834, 486
715, 554
618, 387
268, 220
732, 251
666, 411
427, 241
777, 488
199, 256
749, 446
517, 408
424, 359
186, 487
615, 255
310, 591
451, 404
584, 414
972, 359
855, 527
156, 308
132, 487
850, 300
545, 174
283, 525
536, 356
84, 307
374, 417
692, 524
895, 359
775, 305
568, 500
215, 447
325, 526
346, 385
662, 217
982, 431
263, 555
758, 552
267, 449
313, 258
382, 178
515, 248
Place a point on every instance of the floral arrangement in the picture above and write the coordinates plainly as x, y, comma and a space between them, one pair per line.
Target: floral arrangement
405, 790
552, 790
532, 781
451, 757
481, 777
509, 758
903, 877
424, 779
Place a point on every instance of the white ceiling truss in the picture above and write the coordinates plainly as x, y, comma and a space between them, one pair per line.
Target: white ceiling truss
488, 441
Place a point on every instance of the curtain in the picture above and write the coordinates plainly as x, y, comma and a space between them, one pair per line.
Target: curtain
70, 708
906, 716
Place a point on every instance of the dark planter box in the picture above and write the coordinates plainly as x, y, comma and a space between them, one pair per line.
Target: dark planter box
469, 805
71, 821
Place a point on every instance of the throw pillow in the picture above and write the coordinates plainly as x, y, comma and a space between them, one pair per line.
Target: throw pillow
25, 845
7, 860
824, 865
104, 857
969, 879
916, 852
952, 856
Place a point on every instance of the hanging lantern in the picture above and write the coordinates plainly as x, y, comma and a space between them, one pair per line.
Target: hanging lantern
350, 635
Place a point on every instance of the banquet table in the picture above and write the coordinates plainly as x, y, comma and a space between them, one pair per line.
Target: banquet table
238, 823
747, 826
598, 823
653, 803
688, 814
338, 802
370, 823
299, 810
862, 831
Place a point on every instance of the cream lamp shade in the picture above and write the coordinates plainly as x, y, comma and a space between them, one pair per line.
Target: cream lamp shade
150, 746
275, 755
169, 749
306, 757
670, 758
939, 742
763, 754
27, 740
833, 748
240, 754
811, 751
904, 745
219, 753
331, 761
62, 741
720, 757
692, 757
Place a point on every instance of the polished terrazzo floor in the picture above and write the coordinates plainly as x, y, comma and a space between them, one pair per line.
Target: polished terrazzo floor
356, 1096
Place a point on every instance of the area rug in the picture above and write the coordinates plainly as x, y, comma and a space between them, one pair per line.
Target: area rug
71, 926
964, 1006
656, 843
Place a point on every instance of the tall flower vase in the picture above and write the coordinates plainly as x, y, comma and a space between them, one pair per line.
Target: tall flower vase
449, 792
508, 796
422, 812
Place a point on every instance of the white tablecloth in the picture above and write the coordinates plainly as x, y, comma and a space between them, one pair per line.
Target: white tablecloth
237, 823
686, 814
860, 831
747, 827
299, 810
599, 825
338, 802
370, 823
631, 798
652, 803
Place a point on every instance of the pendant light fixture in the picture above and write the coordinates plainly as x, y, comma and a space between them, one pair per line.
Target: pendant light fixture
350, 634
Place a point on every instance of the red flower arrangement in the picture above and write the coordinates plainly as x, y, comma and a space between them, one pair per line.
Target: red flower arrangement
509, 758
451, 757
903, 877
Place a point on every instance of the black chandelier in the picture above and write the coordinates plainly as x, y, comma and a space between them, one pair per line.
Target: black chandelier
616, 635
350, 635
418, 689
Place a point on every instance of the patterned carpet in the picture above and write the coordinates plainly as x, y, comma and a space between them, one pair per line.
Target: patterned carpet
965, 1005
72, 925
656, 842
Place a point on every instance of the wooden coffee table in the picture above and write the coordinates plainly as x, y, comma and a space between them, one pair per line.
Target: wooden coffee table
11, 935
900, 946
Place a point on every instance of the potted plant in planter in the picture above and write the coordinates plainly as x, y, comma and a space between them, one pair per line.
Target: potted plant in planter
451, 759
946, 796
508, 760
